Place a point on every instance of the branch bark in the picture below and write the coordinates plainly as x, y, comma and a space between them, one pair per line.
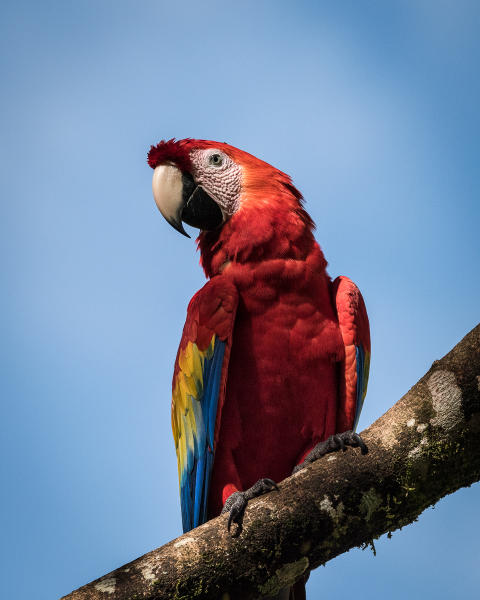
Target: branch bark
425, 447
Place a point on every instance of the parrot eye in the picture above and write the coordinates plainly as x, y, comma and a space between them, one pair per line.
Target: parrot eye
215, 160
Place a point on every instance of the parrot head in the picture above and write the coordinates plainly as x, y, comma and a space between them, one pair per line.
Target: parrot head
234, 198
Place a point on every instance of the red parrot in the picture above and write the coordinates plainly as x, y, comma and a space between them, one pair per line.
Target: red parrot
273, 363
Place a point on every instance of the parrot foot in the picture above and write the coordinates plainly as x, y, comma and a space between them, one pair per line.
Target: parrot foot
237, 502
336, 442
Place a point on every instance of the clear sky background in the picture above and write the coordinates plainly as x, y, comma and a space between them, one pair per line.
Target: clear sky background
371, 107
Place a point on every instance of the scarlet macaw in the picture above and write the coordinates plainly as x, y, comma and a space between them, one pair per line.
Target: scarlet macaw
273, 363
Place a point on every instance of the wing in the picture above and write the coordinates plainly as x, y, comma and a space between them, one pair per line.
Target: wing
355, 330
198, 392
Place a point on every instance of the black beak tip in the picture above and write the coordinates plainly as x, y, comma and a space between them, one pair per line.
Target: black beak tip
179, 227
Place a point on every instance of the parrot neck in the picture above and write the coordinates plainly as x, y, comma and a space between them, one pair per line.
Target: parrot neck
282, 229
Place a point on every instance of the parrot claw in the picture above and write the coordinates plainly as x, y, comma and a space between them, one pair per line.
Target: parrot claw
336, 442
237, 502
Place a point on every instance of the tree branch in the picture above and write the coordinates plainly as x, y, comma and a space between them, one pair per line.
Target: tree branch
425, 447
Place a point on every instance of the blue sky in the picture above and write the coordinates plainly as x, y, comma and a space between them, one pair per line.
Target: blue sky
371, 107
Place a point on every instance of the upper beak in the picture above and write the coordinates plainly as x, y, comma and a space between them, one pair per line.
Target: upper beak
179, 199
168, 193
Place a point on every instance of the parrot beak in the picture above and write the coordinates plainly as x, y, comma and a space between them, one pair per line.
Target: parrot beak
179, 199
167, 189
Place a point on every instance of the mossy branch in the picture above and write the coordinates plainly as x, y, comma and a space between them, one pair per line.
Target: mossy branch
425, 447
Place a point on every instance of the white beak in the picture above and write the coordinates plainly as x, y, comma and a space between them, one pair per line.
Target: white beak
167, 186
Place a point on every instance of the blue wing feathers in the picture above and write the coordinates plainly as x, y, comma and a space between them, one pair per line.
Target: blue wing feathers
195, 479
360, 360
212, 389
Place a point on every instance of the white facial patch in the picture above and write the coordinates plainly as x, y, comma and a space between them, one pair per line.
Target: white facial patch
219, 176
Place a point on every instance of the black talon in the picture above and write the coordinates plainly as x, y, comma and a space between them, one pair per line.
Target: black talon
360, 443
334, 443
340, 443
236, 505
237, 502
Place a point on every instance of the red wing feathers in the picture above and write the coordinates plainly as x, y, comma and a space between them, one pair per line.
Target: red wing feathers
355, 330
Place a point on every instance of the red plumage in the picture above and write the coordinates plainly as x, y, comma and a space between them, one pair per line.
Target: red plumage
282, 389
171, 151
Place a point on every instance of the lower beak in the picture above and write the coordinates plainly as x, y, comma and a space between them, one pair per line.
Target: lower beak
179, 199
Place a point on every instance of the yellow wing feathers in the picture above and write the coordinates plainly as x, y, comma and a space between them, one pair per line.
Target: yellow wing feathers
187, 419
